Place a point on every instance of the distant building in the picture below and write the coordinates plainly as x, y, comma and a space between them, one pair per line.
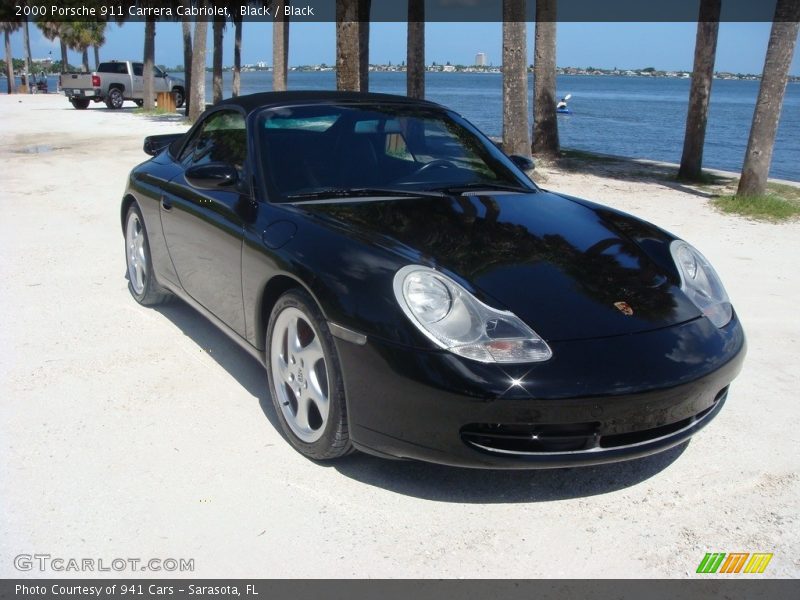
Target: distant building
480, 59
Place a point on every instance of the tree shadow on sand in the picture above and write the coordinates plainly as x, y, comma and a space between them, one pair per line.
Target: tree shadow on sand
424, 480
640, 170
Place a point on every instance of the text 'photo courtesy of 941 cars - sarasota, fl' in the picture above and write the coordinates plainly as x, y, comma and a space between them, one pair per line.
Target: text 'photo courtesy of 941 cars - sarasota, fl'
412, 294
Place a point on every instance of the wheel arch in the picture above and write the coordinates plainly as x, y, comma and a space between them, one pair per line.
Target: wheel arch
118, 86
273, 290
127, 202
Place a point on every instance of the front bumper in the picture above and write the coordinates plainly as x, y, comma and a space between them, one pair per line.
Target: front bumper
595, 401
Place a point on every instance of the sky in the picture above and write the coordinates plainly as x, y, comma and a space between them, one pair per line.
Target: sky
665, 46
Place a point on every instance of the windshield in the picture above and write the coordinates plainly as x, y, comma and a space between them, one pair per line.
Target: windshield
311, 151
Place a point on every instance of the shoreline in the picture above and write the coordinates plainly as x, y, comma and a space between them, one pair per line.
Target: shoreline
619, 128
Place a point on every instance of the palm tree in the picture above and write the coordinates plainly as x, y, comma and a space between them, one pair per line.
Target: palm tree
280, 48
148, 85
352, 45
705, 50
198, 89
780, 50
52, 30
26, 35
347, 45
216, 78
364, 7
98, 36
545, 123
516, 139
78, 36
415, 50
236, 85
186, 28
8, 28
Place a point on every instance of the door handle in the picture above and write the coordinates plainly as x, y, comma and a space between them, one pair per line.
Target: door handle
166, 204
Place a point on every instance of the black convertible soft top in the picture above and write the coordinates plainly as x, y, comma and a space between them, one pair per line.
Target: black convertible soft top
251, 102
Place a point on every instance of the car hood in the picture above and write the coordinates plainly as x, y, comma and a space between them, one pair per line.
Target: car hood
570, 269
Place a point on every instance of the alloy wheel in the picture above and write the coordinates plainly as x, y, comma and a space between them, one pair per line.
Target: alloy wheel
134, 243
300, 374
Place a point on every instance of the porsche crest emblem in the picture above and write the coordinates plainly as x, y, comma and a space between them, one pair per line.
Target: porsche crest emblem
624, 308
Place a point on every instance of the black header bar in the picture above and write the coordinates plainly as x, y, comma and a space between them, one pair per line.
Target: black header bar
381, 11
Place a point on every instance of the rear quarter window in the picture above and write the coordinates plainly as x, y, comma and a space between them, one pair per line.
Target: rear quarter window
115, 68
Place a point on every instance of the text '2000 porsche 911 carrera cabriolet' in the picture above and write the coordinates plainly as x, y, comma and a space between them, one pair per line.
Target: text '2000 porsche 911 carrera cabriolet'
412, 294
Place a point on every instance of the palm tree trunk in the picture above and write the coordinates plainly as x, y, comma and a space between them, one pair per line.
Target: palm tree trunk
705, 50
516, 139
186, 28
96, 56
27, 41
9, 62
236, 86
148, 85
198, 91
64, 56
780, 50
280, 49
415, 50
348, 62
364, 7
85, 59
545, 123
217, 62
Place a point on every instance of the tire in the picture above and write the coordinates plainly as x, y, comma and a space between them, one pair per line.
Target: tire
179, 96
139, 103
115, 99
142, 283
79, 103
305, 378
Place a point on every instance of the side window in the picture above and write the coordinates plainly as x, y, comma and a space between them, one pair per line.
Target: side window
138, 69
221, 138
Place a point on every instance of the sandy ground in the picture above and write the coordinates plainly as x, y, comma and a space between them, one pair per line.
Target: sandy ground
137, 433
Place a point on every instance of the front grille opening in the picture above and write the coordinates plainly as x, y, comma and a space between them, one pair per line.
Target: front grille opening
634, 437
537, 438
531, 437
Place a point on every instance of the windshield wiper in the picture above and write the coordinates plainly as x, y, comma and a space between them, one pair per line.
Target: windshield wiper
331, 193
485, 185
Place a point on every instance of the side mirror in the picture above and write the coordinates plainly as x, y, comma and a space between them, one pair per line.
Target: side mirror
153, 144
523, 162
212, 176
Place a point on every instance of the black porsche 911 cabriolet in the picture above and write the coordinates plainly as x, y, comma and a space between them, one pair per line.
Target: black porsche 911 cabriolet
412, 294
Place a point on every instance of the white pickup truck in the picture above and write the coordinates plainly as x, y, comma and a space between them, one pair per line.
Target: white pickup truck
117, 81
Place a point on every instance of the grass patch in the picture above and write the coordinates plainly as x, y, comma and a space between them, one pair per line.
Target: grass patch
788, 192
780, 203
153, 112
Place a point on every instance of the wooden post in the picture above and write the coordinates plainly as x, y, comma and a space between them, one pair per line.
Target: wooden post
166, 101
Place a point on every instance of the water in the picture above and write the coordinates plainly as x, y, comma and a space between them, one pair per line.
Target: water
627, 116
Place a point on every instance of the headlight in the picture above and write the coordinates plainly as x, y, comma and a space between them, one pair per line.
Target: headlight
701, 283
457, 321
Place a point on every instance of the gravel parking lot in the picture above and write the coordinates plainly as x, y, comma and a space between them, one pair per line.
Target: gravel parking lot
131, 432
